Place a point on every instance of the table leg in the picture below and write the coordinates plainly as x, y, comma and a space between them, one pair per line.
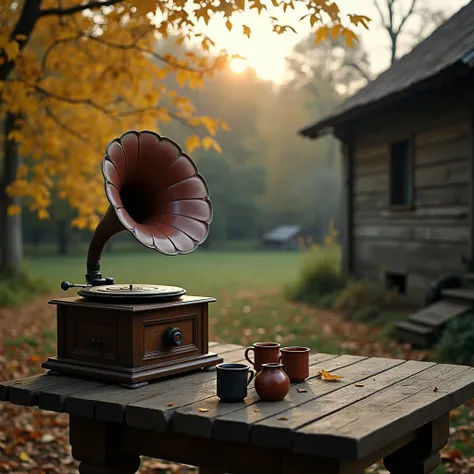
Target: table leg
422, 455
99, 448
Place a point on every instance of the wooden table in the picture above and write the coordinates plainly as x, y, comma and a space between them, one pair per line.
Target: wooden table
387, 409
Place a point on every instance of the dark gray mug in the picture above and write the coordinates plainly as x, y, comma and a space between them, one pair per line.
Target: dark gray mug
232, 381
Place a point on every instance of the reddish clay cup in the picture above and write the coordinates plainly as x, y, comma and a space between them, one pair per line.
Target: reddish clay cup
295, 362
264, 353
271, 383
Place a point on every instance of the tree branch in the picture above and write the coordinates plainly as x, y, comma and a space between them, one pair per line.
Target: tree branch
69, 100
25, 25
406, 16
146, 51
382, 17
62, 125
78, 8
360, 70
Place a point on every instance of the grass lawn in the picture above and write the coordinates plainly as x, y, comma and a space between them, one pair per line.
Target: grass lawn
247, 285
201, 273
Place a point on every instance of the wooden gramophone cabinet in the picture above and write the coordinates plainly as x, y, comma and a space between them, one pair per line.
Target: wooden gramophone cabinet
133, 343
132, 333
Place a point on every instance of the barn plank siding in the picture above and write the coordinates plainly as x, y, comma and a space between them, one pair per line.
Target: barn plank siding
428, 240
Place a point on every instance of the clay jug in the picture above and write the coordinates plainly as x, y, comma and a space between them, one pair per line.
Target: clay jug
271, 383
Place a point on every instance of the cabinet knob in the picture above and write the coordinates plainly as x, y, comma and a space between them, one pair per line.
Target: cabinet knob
172, 337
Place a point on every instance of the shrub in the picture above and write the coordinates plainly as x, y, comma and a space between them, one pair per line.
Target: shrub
320, 278
456, 345
370, 302
19, 288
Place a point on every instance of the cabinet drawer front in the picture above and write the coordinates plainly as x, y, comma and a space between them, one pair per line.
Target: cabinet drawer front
95, 340
154, 347
91, 337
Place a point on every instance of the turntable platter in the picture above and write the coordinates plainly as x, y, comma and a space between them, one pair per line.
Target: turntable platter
133, 293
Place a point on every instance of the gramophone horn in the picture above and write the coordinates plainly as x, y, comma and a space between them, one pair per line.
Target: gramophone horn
156, 193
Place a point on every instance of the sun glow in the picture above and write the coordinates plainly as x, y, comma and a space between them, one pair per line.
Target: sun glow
238, 65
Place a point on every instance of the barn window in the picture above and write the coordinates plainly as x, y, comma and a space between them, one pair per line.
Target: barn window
396, 281
400, 174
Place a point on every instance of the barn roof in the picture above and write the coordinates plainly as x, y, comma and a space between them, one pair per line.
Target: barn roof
445, 50
282, 233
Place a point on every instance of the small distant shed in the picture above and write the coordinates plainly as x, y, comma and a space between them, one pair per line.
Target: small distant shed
283, 237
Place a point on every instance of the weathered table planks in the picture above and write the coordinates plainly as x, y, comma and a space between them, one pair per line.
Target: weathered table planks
382, 408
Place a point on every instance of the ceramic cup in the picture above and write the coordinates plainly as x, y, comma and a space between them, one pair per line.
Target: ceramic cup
232, 381
295, 362
264, 353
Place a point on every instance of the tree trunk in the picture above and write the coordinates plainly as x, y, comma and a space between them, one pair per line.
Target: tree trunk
11, 250
62, 235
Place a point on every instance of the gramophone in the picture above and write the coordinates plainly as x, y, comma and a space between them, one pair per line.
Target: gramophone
133, 333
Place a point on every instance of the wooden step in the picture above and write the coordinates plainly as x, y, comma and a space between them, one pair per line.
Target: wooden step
417, 335
465, 295
438, 314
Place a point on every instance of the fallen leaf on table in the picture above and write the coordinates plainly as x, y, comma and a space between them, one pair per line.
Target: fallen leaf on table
171, 404
325, 375
359, 384
282, 418
435, 389
203, 410
256, 410
301, 390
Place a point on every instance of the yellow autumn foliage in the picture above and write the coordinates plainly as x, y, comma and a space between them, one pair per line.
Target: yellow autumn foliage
74, 78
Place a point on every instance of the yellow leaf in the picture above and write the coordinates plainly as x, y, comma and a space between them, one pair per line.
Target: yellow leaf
22, 171
360, 19
228, 25
13, 210
203, 410
246, 31
350, 37
24, 456
21, 37
193, 142
359, 384
12, 50
325, 375
335, 31
43, 214
209, 142
322, 33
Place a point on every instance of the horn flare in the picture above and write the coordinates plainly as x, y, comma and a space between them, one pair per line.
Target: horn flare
157, 192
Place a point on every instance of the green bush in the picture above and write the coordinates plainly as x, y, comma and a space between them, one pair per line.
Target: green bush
456, 345
320, 278
19, 288
368, 301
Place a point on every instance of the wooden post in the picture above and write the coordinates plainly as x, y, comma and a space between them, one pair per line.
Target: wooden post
471, 190
348, 206
99, 448
421, 456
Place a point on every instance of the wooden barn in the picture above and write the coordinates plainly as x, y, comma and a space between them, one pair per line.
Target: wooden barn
408, 146
283, 237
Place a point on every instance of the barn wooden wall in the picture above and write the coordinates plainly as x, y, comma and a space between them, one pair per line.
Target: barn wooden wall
429, 240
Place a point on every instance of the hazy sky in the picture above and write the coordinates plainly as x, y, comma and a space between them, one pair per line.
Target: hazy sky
266, 51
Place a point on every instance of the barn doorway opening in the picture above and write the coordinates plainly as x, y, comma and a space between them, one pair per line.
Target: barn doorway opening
396, 281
